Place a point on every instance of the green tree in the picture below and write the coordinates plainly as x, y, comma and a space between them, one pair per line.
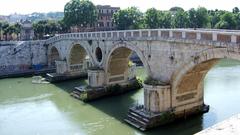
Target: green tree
180, 19
235, 10
63, 27
80, 13
11, 30
39, 29
52, 27
5, 29
198, 18
17, 29
175, 9
49, 27
237, 19
152, 18
192, 18
130, 18
1, 27
214, 17
227, 21
165, 19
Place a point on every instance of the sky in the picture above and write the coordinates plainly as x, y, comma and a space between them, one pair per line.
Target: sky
28, 6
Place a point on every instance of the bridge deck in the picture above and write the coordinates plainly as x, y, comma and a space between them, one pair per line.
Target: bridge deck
214, 35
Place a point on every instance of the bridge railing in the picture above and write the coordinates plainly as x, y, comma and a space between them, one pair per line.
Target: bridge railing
229, 36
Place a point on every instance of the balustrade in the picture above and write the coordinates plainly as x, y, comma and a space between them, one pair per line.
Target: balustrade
228, 36
76, 67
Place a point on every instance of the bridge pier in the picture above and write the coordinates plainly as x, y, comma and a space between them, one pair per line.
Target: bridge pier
96, 78
64, 71
157, 98
192, 102
100, 86
158, 110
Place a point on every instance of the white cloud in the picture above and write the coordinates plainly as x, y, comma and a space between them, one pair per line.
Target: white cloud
29, 6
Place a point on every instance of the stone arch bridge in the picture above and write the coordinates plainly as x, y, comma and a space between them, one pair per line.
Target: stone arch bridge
178, 59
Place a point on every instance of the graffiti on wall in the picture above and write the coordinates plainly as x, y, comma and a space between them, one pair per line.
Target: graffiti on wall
19, 68
12, 68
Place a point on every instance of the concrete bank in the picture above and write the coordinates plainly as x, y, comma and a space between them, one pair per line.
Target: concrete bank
230, 126
27, 73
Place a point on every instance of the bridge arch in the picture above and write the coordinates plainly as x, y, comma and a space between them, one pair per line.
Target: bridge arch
77, 54
54, 55
188, 80
79, 57
117, 61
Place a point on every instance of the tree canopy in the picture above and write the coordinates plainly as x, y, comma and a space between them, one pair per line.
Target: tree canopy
198, 18
47, 27
227, 21
180, 19
175, 9
80, 13
152, 19
176, 17
130, 18
83, 13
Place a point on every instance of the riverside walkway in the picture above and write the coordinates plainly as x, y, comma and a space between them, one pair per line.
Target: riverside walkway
227, 127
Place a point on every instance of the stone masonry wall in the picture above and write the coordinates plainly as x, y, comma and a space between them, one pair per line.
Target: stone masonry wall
22, 56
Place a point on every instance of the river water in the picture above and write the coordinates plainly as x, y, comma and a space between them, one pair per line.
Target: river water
47, 109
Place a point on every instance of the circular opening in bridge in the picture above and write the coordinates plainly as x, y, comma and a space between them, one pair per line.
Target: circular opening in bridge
98, 54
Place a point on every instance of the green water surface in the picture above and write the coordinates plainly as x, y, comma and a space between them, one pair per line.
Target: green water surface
47, 109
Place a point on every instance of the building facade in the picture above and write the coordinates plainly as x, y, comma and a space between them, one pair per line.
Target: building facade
27, 32
104, 20
105, 15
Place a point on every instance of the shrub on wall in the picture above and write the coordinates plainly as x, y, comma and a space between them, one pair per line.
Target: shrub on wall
151, 81
95, 68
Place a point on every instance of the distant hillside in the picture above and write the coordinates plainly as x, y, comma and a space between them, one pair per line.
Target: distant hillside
13, 18
44, 16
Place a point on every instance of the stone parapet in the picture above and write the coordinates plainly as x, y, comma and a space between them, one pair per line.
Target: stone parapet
222, 36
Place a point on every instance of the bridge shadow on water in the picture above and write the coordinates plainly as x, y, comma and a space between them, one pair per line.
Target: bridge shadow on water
117, 107
68, 86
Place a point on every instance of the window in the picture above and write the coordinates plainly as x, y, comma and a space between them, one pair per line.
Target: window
101, 24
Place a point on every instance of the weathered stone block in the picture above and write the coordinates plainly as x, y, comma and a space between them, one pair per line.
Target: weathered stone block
157, 98
96, 78
61, 67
